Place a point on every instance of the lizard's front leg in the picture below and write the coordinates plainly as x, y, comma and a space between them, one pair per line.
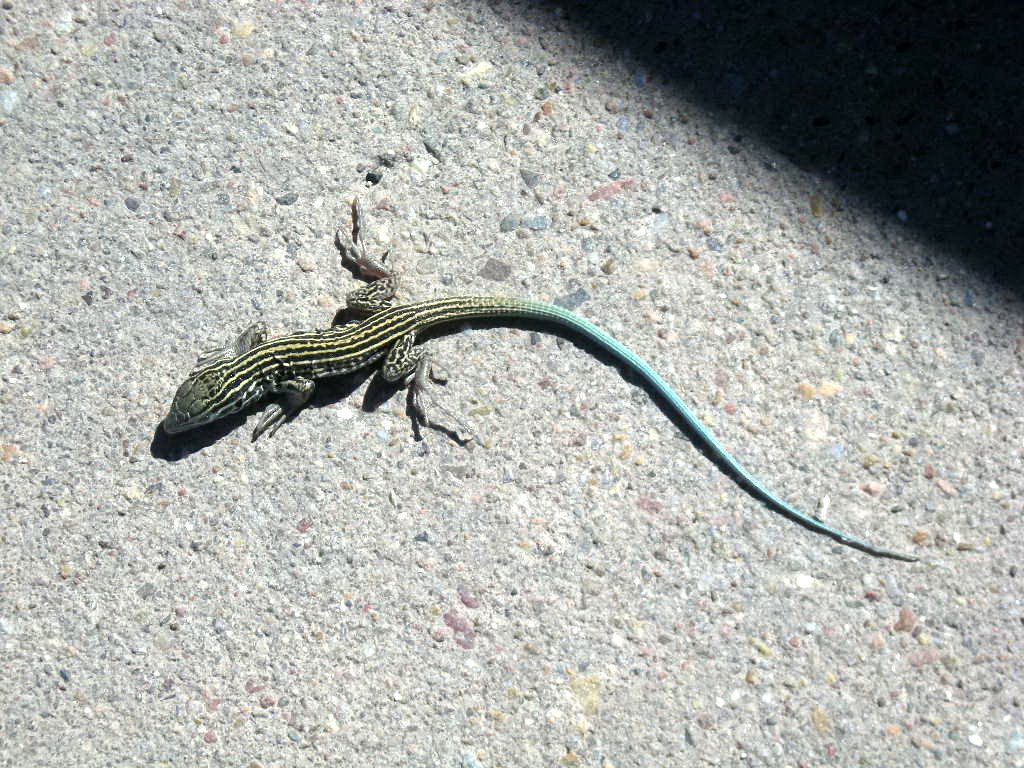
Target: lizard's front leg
296, 393
247, 339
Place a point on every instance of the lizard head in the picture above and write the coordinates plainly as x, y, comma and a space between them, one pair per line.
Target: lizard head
198, 401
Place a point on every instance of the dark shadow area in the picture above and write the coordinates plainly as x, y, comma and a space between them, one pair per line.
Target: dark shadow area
328, 392
177, 447
914, 107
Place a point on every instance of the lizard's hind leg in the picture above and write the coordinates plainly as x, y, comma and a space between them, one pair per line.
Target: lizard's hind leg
380, 292
412, 365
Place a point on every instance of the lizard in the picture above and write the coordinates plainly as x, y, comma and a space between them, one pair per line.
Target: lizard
225, 381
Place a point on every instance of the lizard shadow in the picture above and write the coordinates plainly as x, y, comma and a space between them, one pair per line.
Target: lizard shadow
176, 447
333, 390
328, 392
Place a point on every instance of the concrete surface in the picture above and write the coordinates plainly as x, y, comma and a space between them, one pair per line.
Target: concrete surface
585, 589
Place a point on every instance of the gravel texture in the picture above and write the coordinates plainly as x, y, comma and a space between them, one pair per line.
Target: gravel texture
583, 588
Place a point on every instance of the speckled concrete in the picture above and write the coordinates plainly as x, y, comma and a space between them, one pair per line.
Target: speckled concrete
582, 589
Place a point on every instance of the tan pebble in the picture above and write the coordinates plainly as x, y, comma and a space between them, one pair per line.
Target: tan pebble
805, 389
893, 730
946, 488
306, 265
6, 76
873, 489
919, 537
243, 28
476, 73
817, 206
829, 389
820, 721
922, 742
761, 648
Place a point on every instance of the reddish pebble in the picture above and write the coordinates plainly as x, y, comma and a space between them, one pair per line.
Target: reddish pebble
906, 621
606, 191
923, 657
305, 524
462, 629
647, 504
209, 737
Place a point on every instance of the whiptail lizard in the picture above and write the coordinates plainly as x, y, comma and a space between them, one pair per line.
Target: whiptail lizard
227, 380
